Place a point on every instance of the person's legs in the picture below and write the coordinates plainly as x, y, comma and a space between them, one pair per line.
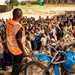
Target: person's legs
1, 59
7, 58
15, 70
16, 64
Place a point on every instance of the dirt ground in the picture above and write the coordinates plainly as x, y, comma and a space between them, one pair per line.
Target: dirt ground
36, 10
7, 72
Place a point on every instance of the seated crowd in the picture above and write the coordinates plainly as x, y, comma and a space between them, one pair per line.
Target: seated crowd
39, 33
44, 31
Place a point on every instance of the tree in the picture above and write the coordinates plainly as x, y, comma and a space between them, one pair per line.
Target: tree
7, 1
14, 2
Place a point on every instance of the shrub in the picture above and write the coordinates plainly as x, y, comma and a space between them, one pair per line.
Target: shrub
23, 3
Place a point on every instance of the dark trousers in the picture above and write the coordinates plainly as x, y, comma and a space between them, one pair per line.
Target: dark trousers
16, 64
13, 60
7, 58
1, 61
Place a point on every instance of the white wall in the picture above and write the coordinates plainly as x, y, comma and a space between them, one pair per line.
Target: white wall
2, 2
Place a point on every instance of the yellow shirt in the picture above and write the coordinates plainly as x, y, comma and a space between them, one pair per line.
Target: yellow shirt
43, 41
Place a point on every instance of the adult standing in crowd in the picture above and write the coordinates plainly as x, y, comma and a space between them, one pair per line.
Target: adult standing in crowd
15, 32
3, 47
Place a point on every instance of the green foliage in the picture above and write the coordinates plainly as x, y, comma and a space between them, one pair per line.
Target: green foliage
14, 2
23, 3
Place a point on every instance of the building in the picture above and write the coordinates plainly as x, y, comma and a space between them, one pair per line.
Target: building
2, 2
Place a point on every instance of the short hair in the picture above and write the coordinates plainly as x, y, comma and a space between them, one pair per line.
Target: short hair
17, 13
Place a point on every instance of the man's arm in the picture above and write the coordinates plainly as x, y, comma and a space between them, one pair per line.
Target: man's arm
19, 38
21, 42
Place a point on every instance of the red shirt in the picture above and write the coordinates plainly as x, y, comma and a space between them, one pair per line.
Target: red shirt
73, 32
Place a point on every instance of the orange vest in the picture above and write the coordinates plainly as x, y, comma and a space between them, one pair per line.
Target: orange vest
11, 31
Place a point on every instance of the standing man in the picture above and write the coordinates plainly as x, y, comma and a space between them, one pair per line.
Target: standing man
15, 32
